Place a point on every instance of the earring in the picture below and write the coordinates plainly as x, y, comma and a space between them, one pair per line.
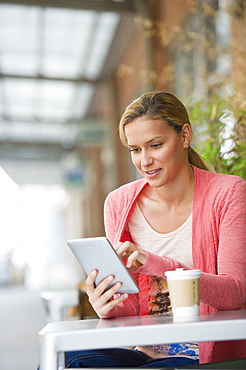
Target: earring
187, 146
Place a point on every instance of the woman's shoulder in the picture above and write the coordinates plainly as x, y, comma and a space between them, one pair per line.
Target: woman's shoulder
130, 189
217, 181
201, 174
123, 197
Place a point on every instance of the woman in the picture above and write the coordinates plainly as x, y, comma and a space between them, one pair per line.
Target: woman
178, 215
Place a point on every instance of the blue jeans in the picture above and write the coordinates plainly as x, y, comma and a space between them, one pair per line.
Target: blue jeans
121, 357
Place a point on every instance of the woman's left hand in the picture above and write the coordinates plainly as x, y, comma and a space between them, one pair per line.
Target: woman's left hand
136, 257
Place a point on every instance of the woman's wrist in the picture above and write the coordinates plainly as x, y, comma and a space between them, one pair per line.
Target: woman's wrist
154, 265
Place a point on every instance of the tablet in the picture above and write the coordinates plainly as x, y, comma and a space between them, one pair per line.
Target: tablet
98, 254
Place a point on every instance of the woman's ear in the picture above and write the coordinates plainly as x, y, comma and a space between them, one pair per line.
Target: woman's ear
186, 135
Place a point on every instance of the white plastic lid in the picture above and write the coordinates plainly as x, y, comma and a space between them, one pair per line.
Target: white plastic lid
188, 274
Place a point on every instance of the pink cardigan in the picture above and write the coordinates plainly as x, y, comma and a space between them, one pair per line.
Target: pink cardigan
218, 248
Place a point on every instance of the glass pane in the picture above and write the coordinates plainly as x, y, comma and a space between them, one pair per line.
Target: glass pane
84, 95
105, 31
66, 38
19, 94
18, 39
54, 100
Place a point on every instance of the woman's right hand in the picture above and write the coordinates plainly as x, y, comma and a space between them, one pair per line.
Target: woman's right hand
101, 299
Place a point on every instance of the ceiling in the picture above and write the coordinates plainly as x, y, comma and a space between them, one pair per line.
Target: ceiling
54, 56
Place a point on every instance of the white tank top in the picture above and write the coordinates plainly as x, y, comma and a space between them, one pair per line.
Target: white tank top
176, 244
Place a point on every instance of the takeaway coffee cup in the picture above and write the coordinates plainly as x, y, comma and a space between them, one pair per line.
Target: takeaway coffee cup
184, 291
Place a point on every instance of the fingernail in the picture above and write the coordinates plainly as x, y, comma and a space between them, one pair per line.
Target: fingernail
110, 279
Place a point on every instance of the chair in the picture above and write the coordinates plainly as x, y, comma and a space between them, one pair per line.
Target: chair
54, 302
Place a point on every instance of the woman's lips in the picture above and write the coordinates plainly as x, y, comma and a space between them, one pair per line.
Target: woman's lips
152, 173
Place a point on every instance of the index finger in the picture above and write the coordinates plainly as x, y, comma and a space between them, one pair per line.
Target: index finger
118, 245
124, 250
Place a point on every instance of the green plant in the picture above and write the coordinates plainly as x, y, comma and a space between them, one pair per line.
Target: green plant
219, 126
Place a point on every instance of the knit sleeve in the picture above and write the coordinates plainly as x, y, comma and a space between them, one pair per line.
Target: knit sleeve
158, 265
110, 221
130, 306
227, 288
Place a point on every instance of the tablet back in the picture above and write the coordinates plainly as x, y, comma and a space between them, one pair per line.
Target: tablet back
98, 254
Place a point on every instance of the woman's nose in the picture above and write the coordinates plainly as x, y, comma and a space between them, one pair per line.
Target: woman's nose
146, 159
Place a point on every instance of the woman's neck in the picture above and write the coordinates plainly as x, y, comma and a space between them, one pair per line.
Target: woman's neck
174, 194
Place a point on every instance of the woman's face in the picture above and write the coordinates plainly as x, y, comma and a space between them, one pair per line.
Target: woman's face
157, 151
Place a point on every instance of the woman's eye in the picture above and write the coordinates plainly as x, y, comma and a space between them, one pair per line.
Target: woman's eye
135, 150
156, 145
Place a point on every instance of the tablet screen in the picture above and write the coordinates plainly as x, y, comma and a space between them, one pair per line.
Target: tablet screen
98, 254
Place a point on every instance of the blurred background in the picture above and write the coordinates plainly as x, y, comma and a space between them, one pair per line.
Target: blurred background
68, 69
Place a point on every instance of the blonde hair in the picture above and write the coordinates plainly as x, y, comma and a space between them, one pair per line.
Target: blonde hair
163, 106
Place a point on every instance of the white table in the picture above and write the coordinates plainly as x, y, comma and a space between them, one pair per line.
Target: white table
136, 330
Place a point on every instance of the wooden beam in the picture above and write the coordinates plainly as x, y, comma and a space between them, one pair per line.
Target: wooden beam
100, 6
47, 78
